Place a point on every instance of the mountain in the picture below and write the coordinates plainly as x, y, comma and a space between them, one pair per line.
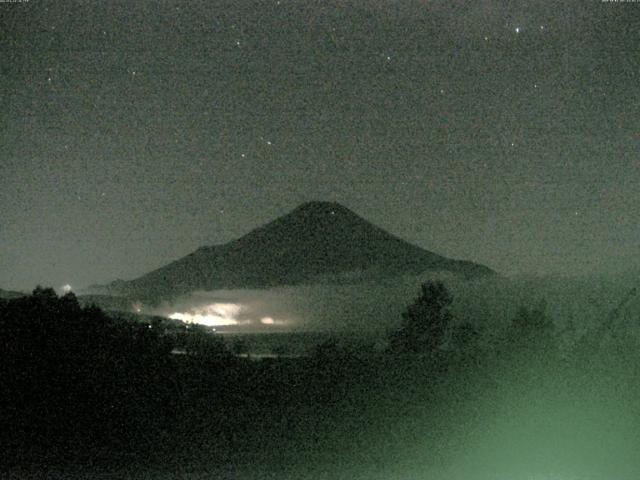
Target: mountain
318, 241
106, 302
8, 294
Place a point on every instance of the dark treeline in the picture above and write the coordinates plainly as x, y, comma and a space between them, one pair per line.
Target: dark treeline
80, 387
77, 381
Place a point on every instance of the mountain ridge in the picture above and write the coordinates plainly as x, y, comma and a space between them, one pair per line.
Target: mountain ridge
10, 294
314, 240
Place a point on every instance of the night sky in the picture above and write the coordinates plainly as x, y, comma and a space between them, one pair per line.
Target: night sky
131, 133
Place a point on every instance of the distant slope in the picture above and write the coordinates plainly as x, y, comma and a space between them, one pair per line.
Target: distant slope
106, 302
8, 294
316, 241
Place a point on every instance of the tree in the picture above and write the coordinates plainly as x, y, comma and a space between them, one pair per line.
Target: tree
425, 321
529, 347
76, 378
531, 329
464, 338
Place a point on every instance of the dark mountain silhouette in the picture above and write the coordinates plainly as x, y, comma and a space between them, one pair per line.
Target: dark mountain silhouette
8, 294
107, 303
318, 241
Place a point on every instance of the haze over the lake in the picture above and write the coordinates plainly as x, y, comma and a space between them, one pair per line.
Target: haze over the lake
131, 133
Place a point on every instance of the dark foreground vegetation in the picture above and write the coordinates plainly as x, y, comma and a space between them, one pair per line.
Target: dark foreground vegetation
83, 392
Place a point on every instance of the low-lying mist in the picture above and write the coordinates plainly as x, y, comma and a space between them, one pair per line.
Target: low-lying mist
527, 399
375, 307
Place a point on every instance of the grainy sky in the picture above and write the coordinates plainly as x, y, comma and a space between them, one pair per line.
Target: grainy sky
133, 132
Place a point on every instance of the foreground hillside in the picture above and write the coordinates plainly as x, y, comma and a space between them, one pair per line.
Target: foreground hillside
88, 395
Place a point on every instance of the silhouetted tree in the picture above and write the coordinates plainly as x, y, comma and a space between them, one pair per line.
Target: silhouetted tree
531, 329
73, 375
425, 321
464, 337
529, 348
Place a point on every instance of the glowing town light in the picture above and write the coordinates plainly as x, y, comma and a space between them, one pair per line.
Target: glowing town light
214, 315
279, 322
66, 288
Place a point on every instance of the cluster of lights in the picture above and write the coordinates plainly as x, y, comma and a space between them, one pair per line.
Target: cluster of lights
213, 315
220, 315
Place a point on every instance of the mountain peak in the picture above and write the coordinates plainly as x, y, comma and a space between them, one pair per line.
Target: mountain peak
316, 226
318, 205
318, 208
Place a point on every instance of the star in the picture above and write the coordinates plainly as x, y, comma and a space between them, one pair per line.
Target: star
517, 29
